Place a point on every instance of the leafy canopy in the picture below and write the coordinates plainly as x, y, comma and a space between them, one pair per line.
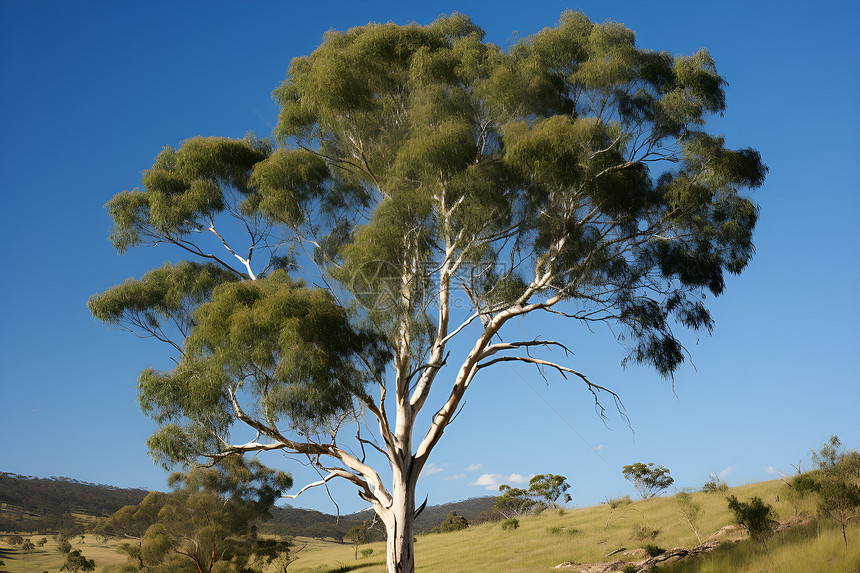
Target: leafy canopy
426, 187
208, 522
649, 480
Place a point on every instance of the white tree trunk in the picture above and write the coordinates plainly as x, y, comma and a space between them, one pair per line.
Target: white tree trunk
400, 553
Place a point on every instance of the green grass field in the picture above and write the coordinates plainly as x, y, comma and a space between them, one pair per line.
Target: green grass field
580, 536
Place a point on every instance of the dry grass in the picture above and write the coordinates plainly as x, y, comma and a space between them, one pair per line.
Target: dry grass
587, 535
47, 558
542, 541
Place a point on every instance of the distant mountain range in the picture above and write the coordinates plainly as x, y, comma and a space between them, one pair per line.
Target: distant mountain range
46, 505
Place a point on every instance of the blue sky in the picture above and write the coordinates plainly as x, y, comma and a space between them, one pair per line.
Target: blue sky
93, 90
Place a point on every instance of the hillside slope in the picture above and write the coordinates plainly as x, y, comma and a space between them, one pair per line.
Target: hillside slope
588, 539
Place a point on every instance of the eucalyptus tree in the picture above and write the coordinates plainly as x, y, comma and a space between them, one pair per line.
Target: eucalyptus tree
425, 190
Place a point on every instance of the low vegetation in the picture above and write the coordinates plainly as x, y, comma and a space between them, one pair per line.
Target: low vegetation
806, 522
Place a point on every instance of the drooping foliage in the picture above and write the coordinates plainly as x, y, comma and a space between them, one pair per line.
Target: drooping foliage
208, 522
423, 181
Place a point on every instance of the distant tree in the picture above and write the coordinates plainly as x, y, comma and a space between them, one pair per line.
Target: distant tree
714, 484
569, 176
649, 480
549, 488
15, 540
829, 455
208, 519
28, 546
359, 535
755, 516
690, 511
63, 544
453, 522
75, 562
42, 542
513, 501
835, 482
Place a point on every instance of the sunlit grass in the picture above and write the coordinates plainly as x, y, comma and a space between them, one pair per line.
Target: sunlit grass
47, 558
543, 541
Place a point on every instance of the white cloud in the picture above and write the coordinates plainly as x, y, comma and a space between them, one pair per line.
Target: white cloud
724, 474
455, 476
493, 481
431, 469
473, 467
598, 447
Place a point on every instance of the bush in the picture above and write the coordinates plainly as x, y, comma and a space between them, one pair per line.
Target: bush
453, 522
755, 516
653, 550
510, 524
642, 532
367, 552
616, 502
715, 485
631, 568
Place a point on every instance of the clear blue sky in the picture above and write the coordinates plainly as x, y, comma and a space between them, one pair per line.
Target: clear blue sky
91, 91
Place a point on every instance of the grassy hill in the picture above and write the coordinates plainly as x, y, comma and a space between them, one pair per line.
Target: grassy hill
584, 537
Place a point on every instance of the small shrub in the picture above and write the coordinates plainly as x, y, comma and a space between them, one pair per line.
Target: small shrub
631, 568
616, 502
642, 532
510, 524
715, 485
365, 553
653, 550
453, 522
756, 516
553, 530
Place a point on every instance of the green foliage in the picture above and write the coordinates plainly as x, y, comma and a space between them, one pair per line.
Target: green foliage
836, 483
653, 550
359, 535
690, 511
549, 488
755, 516
28, 546
63, 544
75, 562
416, 162
367, 552
513, 501
453, 522
207, 521
510, 524
714, 484
649, 480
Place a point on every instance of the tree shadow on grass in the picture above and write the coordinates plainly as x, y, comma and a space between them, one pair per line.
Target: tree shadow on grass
346, 568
